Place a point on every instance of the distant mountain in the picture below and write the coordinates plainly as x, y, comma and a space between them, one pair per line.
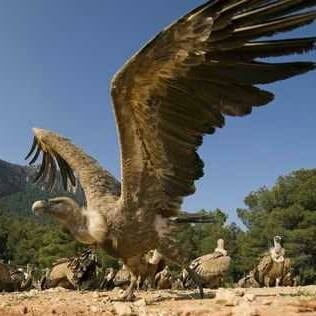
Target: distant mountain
17, 193
13, 178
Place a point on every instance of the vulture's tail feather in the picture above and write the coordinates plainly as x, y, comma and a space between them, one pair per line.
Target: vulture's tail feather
192, 218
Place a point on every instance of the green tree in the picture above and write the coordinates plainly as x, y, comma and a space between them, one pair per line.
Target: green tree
287, 209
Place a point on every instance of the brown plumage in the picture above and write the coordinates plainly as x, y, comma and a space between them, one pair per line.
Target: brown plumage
5, 278
122, 277
211, 267
176, 89
72, 273
148, 266
163, 279
249, 280
152, 264
13, 278
273, 266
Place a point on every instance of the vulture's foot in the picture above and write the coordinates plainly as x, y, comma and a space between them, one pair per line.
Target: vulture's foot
197, 280
127, 296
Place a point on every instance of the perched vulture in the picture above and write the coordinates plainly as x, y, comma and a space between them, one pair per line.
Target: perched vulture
21, 279
211, 267
249, 280
175, 90
107, 282
13, 279
150, 264
72, 273
163, 279
122, 277
273, 266
5, 278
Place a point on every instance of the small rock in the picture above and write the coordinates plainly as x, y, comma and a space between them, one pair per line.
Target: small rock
95, 294
122, 309
140, 303
25, 310
94, 309
240, 292
154, 299
33, 292
245, 309
250, 297
226, 297
267, 302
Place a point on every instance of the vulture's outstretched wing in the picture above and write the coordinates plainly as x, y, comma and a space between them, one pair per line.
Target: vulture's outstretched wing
181, 84
59, 153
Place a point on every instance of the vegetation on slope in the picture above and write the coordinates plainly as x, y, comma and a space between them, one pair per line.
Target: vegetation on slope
287, 209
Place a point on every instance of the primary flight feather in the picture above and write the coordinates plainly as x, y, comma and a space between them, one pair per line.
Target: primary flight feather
175, 90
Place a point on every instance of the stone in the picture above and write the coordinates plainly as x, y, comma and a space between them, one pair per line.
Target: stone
140, 303
250, 297
227, 297
94, 309
123, 309
245, 309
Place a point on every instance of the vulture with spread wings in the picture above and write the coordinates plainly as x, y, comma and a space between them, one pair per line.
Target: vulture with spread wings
176, 89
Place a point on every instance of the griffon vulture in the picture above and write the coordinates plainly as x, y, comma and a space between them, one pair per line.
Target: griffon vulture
175, 90
211, 267
72, 273
273, 267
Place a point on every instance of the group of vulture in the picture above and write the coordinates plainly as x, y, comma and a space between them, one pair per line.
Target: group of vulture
209, 64
84, 272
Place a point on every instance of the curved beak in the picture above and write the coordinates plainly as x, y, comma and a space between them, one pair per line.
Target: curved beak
40, 207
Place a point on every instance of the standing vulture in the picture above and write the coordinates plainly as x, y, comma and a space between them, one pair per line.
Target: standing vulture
210, 267
175, 90
72, 273
273, 266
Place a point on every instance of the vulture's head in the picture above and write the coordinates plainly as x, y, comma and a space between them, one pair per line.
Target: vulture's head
155, 256
60, 207
277, 240
221, 247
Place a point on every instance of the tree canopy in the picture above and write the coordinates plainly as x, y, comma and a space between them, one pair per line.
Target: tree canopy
288, 209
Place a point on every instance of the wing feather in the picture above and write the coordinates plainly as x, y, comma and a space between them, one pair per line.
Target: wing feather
58, 153
181, 85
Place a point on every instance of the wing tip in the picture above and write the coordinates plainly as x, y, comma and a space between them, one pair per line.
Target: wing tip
39, 132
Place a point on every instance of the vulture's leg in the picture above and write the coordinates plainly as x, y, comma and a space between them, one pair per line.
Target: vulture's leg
139, 283
277, 282
266, 281
132, 264
128, 294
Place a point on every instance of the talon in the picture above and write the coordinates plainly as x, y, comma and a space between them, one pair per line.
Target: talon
127, 296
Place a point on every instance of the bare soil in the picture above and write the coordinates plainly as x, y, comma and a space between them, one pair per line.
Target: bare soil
222, 302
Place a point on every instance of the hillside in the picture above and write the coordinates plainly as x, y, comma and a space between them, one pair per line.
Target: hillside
13, 178
17, 192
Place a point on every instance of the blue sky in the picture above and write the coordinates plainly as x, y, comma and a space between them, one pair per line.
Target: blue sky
56, 62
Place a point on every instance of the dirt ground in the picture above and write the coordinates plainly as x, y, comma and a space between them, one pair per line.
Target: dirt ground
222, 302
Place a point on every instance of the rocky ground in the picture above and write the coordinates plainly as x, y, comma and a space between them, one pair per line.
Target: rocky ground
222, 302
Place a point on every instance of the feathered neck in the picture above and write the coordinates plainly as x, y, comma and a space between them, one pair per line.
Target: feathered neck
277, 252
220, 247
